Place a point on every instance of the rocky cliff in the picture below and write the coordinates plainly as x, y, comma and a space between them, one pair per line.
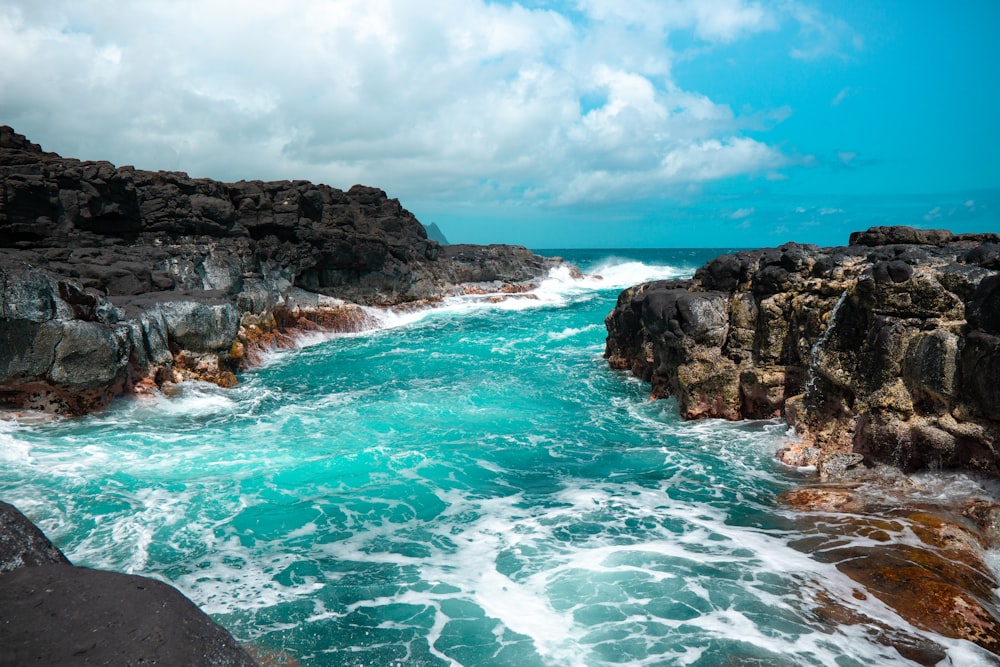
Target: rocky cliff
113, 279
884, 351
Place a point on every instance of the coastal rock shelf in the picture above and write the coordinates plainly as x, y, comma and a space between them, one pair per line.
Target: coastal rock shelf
114, 280
883, 351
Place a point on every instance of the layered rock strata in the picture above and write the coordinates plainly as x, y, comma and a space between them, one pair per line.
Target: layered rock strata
114, 279
886, 350
53, 613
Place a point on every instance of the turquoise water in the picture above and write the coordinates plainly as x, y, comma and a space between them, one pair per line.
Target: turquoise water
470, 485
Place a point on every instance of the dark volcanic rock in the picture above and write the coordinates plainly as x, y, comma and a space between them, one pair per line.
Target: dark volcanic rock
61, 614
108, 273
22, 544
52, 613
888, 348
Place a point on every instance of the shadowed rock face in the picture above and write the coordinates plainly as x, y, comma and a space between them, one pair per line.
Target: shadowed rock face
108, 273
52, 613
888, 348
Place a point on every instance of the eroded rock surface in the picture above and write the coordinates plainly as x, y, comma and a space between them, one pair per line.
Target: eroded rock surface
887, 349
114, 279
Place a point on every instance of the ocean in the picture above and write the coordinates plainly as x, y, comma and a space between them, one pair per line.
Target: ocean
468, 485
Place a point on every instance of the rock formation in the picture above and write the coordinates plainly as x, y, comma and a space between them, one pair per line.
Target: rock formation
113, 280
883, 351
53, 613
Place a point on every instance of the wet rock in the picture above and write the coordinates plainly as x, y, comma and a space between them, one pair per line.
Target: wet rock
938, 581
888, 348
836, 464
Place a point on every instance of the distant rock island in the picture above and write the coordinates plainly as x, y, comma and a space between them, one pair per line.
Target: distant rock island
434, 233
115, 280
886, 350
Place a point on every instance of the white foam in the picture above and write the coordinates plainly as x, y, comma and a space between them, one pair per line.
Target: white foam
191, 399
618, 273
12, 449
570, 332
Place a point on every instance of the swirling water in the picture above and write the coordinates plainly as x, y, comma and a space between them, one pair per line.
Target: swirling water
471, 485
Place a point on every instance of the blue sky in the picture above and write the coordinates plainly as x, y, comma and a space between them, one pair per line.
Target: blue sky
591, 123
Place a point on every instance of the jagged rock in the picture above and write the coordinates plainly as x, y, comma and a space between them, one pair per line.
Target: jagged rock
888, 348
109, 274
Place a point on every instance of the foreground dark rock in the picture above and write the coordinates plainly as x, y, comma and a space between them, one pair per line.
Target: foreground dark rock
115, 280
886, 350
53, 613
22, 544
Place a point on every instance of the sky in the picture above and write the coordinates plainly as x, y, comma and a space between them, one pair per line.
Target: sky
551, 124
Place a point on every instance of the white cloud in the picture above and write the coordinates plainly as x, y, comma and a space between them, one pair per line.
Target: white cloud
846, 157
821, 35
458, 98
719, 20
742, 213
830, 211
933, 214
840, 97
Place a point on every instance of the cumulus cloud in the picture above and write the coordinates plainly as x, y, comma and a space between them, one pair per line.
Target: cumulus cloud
462, 99
720, 20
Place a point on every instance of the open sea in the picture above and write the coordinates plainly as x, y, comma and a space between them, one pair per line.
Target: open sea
469, 485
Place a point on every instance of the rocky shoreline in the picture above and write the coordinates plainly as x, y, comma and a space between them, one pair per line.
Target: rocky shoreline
883, 357
115, 280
